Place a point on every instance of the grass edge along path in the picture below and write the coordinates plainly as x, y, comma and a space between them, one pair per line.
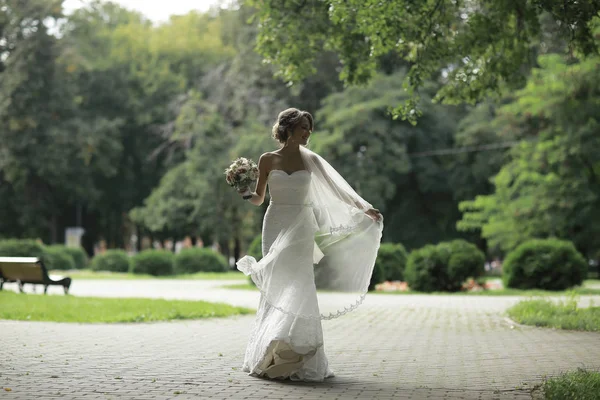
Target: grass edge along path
581, 384
61, 308
560, 315
87, 274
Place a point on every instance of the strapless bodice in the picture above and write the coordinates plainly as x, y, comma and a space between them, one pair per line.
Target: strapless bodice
289, 189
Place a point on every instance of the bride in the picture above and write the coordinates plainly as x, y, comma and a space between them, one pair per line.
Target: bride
317, 233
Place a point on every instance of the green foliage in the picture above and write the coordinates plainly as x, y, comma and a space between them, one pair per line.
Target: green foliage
580, 384
189, 261
102, 310
255, 248
21, 248
378, 276
184, 201
56, 257
559, 315
550, 186
465, 261
111, 260
432, 36
79, 255
443, 267
549, 264
371, 151
390, 262
115, 102
426, 270
153, 262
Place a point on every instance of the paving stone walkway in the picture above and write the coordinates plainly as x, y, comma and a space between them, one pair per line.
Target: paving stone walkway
392, 347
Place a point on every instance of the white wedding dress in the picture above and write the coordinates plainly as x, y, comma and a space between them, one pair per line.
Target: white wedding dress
285, 345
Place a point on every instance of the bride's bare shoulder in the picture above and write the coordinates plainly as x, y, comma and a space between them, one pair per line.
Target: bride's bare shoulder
266, 158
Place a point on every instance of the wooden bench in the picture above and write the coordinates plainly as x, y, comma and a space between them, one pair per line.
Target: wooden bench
28, 270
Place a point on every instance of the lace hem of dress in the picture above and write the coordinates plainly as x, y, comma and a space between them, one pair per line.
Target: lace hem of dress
328, 316
246, 265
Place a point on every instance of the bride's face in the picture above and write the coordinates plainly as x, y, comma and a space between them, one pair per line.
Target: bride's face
301, 132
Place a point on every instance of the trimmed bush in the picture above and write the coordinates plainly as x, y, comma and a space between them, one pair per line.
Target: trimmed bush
426, 269
549, 264
56, 257
389, 265
378, 275
466, 261
190, 261
21, 248
443, 267
153, 262
112, 261
392, 257
79, 256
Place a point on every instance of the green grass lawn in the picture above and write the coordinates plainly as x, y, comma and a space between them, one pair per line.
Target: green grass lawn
580, 385
89, 274
561, 315
60, 308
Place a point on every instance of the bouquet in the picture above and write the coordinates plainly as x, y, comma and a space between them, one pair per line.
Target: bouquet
241, 174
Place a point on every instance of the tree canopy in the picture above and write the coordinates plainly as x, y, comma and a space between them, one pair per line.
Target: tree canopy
110, 122
473, 47
550, 187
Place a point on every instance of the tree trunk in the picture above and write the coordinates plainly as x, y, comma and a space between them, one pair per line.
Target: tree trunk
53, 229
237, 248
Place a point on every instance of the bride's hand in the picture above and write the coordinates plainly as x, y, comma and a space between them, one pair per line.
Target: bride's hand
245, 192
374, 214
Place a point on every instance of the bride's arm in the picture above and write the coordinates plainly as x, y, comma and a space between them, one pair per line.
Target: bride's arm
264, 166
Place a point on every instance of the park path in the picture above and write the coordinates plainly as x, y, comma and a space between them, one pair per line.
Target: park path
392, 347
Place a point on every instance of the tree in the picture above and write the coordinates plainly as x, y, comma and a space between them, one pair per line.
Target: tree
551, 185
479, 46
48, 150
192, 44
193, 197
356, 133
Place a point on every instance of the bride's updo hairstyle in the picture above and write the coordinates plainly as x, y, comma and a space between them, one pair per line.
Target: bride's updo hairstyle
287, 120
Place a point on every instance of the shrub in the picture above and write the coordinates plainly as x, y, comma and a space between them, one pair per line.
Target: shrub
153, 262
112, 261
392, 257
389, 265
189, 261
443, 267
549, 264
79, 256
56, 257
426, 269
378, 276
21, 248
466, 261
